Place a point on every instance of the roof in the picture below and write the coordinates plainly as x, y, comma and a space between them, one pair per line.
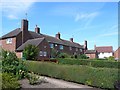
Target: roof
51, 39
12, 33
34, 42
104, 49
90, 52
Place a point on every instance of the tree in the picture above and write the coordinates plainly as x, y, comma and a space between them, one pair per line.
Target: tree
30, 52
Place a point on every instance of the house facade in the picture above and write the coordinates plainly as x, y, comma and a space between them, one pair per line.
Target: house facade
104, 51
91, 54
19, 38
117, 54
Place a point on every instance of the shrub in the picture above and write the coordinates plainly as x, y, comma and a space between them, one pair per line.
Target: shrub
98, 77
111, 58
9, 82
82, 56
11, 64
54, 53
63, 55
30, 52
93, 63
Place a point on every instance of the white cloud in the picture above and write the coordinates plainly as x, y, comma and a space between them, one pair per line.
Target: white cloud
86, 16
12, 17
13, 8
110, 34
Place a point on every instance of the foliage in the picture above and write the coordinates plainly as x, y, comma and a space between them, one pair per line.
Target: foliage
93, 63
111, 58
11, 64
30, 52
63, 55
9, 82
98, 77
54, 53
82, 56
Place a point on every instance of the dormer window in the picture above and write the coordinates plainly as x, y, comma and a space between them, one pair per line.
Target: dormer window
9, 40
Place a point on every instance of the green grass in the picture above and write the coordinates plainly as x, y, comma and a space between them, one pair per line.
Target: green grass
98, 77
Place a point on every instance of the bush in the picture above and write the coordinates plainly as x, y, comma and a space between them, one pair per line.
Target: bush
9, 82
93, 63
98, 77
63, 55
11, 64
111, 58
82, 56
30, 52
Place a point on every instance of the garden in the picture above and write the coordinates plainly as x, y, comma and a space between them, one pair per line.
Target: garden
79, 69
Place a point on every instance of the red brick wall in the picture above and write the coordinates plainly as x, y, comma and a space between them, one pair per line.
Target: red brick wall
91, 56
10, 47
117, 53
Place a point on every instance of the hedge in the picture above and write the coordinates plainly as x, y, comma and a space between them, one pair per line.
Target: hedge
93, 63
97, 77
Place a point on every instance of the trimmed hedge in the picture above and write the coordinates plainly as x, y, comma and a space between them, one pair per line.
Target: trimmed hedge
98, 77
93, 63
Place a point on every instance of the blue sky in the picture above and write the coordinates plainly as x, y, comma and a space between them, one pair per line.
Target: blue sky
96, 22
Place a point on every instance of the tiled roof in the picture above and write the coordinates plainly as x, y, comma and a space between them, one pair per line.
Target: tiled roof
51, 39
104, 49
90, 52
12, 33
35, 42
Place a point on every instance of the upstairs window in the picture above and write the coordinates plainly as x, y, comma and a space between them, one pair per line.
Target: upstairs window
76, 49
9, 40
61, 46
51, 45
70, 48
80, 50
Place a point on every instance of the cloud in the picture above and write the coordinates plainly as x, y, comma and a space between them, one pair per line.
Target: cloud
109, 34
86, 16
12, 9
12, 17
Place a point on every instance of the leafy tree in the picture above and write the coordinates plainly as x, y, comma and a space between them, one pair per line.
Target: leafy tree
63, 55
82, 56
54, 53
30, 52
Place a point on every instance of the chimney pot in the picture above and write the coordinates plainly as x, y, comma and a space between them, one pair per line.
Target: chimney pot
71, 39
85, 45
58, 35
37, 29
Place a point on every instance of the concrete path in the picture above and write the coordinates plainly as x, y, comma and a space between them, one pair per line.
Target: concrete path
55, 83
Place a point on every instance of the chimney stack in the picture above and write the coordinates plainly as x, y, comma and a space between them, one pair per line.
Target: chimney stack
37, 29
24, 29
85, 45
71, 39
58, 35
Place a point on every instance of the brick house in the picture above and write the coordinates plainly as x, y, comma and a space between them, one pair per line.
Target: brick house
104, 51
17, 39
117, 54
91, 54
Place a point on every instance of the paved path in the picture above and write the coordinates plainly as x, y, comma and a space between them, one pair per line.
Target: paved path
55, 83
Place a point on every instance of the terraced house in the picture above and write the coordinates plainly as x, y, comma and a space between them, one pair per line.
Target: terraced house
17, 39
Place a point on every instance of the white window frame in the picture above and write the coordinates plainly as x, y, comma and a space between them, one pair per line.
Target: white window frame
8, 40
70, 48
45, 54
41, 53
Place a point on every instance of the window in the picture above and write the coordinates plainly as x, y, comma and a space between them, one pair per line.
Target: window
51, 45
45, 54
45, 46
61, 46
41, 53
56, 45
80, 50
9, 40
70, 48
76, 49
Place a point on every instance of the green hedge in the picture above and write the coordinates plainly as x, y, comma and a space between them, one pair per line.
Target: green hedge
93, 63
98, 77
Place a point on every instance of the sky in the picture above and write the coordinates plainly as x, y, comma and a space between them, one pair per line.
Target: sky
96, 22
